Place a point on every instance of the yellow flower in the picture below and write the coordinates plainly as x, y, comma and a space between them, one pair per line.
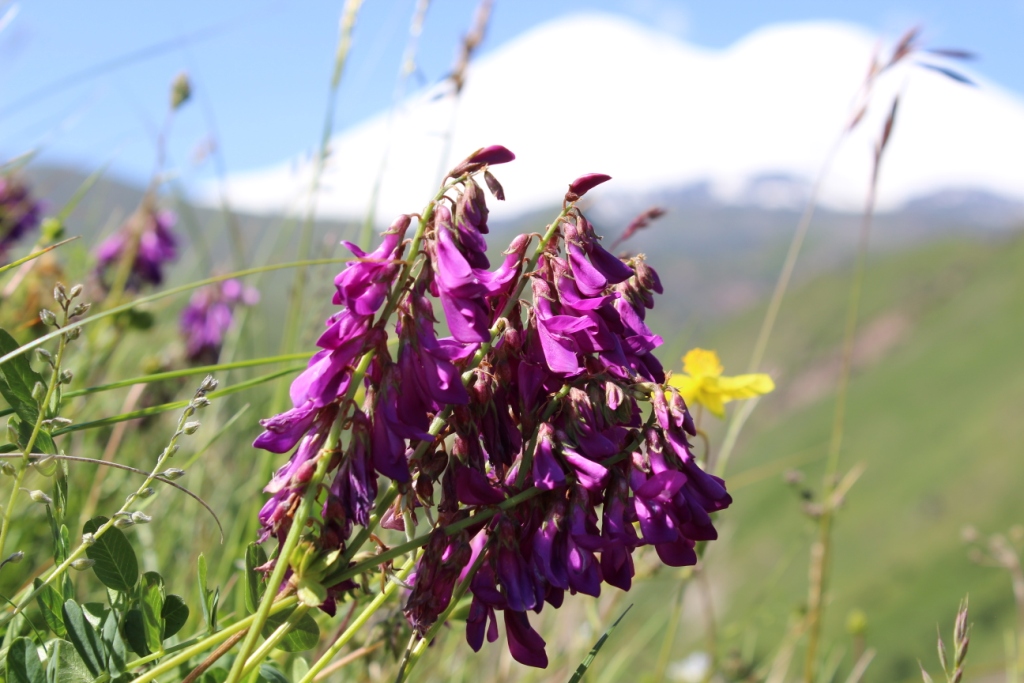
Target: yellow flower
703, 382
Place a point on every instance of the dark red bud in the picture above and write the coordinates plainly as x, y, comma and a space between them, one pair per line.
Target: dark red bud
495, 154
494, 186
584, 184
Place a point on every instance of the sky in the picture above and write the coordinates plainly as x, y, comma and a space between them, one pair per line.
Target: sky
87, 83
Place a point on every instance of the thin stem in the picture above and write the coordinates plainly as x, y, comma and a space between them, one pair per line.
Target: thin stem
26, 452
282, 564
360, 621
821, 549
203, 645
274, 638
348, 19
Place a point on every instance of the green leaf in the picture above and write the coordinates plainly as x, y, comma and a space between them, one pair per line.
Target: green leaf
84, 638
151, 601
589, 659
209, 599
135, 631
175, 614
300, 667
16, 381
65, 666
60, 495
116, 566
255, 582
50, 602
117, 652
304, 635
271, 674
95, 613
23, 665
217, 675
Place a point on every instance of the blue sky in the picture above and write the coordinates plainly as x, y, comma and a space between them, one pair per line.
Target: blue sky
261, 69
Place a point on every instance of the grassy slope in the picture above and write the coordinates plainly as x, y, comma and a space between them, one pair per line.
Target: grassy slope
935, 421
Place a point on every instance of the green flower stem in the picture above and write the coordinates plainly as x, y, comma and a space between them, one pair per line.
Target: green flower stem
274, 638
25, 348
165, 455
290, 543
357, 624
169, 665
25, 459
34, 254
174, 405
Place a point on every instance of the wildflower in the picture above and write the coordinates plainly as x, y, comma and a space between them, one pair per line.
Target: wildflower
208, 316
704, 384
148, 239
19, 212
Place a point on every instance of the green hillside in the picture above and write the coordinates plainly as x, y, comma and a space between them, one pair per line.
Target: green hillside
933, 414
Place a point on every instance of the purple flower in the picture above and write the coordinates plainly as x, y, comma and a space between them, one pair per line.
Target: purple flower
208, 316
19, 212
525, 645
443, 560
363, 285
148, 239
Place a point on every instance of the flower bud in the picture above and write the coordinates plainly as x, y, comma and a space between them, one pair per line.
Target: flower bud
208, 385
59, 294
88, 539
82, 563
45, 355
124, 522
74, 333
141, 518
191, 428
172, 473
200, 402
76, 291
585, 184
15, 557
80, 309
40, 497
46, 466
47, 317
146, 492
38, 392
181, 90
8, 469
65, 377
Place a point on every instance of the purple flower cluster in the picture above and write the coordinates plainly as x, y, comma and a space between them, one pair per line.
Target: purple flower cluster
19, 212
208, 316
538, 399
148, 239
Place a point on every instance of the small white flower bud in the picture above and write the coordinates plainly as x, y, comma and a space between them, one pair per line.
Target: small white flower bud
191, 428
59, 293
75, 291
200, 402
88, 539
146, 492
59, 421
39, 392
141, 518
172, 473
15, 558
66, 376
8, 469
171, 451
208, 385
74, 333
82, 563
80, 309
124, 522
47, 317
40, 497
45, 355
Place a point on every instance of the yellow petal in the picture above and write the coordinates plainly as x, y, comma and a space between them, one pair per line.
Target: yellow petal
702, 363
687, 386
713, 402
745, 386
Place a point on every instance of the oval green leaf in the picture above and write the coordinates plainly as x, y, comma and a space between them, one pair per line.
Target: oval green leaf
116, 565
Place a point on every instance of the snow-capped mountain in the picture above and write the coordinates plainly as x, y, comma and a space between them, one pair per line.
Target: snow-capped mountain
596, 93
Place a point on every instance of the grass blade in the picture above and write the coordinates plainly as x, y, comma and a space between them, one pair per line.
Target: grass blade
585, 664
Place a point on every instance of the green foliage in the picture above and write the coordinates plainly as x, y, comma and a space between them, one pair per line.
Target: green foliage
23, 664
116, 565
